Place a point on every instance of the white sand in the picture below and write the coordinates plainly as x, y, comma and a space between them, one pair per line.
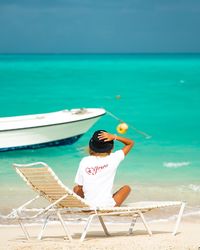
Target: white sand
188, 237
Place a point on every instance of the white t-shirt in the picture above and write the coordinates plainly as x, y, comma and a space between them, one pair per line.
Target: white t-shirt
96, 174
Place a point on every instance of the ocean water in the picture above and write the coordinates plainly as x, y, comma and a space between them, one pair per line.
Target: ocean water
157, 94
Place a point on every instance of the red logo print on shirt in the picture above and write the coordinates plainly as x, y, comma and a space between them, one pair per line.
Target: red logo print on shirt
95, 170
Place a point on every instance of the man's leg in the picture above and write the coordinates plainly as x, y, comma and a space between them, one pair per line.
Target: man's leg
121, 195
79, 190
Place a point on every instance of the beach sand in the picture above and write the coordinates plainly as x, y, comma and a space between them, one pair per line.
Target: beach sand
188, 237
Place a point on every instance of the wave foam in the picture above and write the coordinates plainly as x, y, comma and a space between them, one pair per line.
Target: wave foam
195, 188
176, 164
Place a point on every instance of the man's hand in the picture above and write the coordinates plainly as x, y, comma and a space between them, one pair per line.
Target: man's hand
106, 136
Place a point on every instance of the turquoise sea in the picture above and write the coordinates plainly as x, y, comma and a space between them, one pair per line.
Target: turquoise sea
157, 94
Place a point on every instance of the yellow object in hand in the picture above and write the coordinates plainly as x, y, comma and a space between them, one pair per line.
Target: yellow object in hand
122, 128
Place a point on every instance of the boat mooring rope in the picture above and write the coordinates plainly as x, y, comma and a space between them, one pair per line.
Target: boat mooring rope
130, 126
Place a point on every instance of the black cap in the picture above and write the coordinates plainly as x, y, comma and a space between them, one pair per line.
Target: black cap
100, 146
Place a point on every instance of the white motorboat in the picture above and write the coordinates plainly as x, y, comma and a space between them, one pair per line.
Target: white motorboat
49, 129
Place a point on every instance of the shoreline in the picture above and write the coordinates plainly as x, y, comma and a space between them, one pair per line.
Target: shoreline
191, 214
153, 217
187, 237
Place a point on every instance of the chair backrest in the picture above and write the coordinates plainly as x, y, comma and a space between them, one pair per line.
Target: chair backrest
44, 181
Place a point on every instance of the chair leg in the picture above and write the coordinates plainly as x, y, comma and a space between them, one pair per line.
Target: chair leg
43, 228
144, 222
24, 229
22, 226
86, 227
179, 218
64, 226
104, 226
134, 219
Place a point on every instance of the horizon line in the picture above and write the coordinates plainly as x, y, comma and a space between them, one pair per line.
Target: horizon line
99, 53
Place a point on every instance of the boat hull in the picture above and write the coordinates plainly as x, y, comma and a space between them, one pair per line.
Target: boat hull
62, 142
47, 135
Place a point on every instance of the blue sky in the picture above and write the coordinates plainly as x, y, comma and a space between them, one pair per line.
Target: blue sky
99, 26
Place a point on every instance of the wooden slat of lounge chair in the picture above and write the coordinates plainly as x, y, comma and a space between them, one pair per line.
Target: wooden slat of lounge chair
50, 184
70, 201
43, 185
54, 193
34, 170
68, 205
38, 177
47, 186
41, 180
71, 206
46, 181
35, 173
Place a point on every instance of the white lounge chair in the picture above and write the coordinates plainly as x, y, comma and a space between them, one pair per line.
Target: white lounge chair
41, 178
